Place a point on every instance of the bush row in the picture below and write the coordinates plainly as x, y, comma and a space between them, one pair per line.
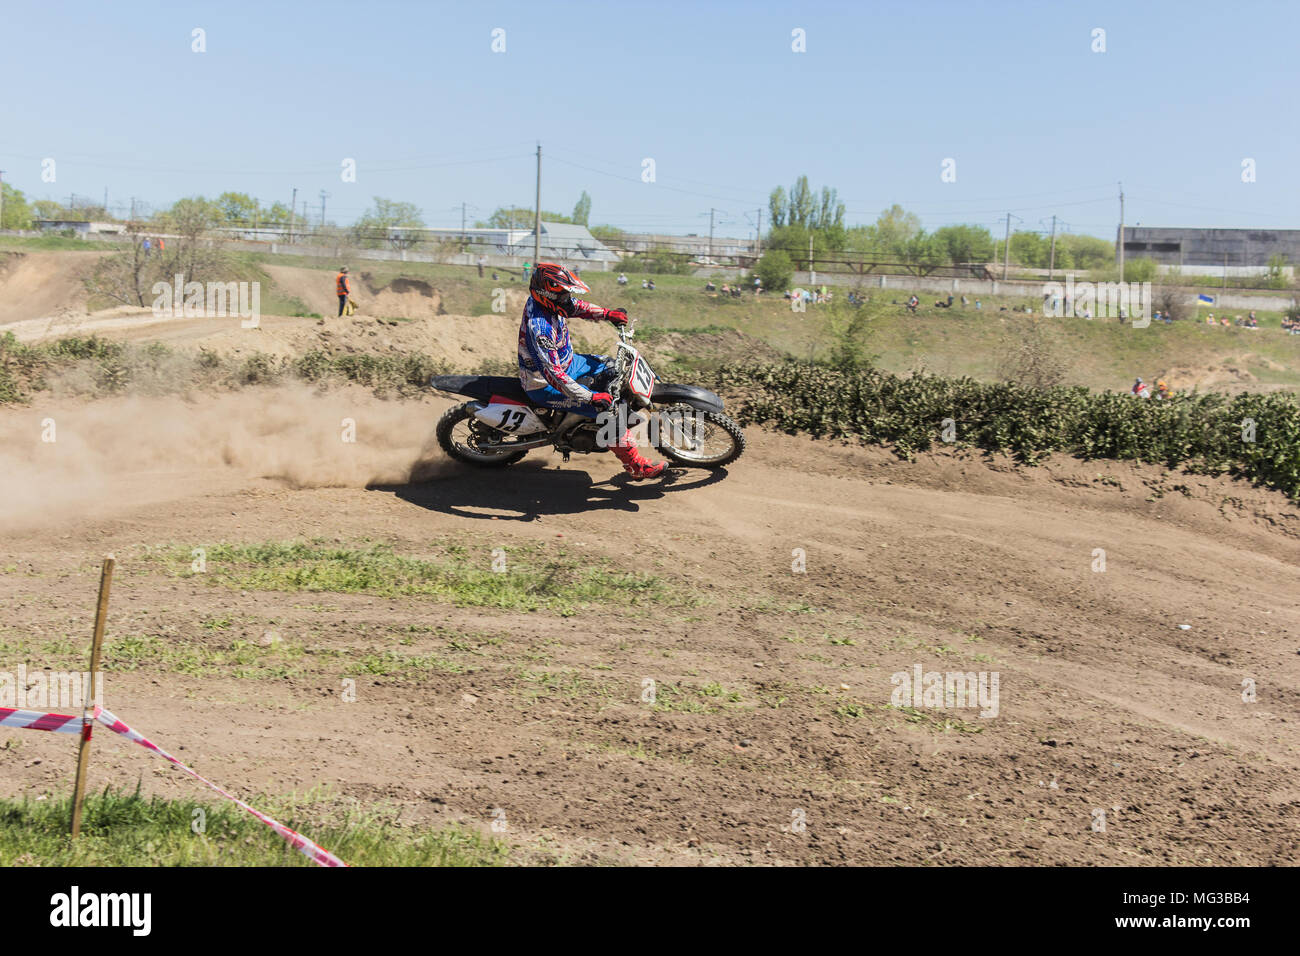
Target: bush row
1251, 436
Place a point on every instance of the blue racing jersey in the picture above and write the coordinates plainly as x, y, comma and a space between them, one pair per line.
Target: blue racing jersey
545, 352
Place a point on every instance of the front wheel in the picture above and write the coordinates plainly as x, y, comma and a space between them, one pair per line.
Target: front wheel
465, 438
698, 438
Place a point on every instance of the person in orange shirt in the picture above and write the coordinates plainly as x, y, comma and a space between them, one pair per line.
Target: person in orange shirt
342, 289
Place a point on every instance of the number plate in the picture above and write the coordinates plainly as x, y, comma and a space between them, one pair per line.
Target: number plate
513, 419
642, 380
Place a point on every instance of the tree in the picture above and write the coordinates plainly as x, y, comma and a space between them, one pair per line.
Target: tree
1084, 252
16, 214
802, 215
46, 209
129, 276
238, 207
278, 214
776, 207
965, 243
922, 252
1029, 249
383, 222
190, 219
1277, 278
895, 227
582, 211
607, 232
774, 270
518, 217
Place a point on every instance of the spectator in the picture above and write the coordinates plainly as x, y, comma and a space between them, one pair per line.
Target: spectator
1141, 389
622, 279
482, 261
977, 305
645, 283
964, 301
161, 246
1162, 389
145, 245
913, 302
652, 285
710, 287
758, 285
1209, 319
726, 290
528, 267
494, 275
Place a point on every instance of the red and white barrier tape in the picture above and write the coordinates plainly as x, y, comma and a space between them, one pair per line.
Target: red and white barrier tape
63, 724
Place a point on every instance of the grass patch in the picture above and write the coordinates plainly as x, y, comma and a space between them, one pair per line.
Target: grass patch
241, 659
392, 664
538, 579
121, 828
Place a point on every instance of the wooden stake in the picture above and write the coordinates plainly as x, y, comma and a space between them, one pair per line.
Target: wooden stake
96, 644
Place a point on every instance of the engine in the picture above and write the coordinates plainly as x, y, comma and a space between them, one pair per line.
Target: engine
583, 438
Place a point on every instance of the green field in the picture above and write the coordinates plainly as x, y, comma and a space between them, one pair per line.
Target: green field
1100, 354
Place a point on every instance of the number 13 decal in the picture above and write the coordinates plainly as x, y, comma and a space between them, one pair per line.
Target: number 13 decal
509, 422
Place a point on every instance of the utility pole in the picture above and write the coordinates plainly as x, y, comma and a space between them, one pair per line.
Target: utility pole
758, 246
1051, 262
133, 209
323, 196
537, 211
1006, 250
293, 211
462, 225
812, 273
1121, 232
711, 212
105, 200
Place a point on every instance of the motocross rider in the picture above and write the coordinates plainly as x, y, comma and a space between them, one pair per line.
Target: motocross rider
548, 366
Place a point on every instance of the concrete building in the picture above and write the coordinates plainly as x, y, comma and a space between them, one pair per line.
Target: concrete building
81, 227
1212, 251
565, 243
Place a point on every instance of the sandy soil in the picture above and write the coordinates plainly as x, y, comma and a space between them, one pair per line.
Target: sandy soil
953, 563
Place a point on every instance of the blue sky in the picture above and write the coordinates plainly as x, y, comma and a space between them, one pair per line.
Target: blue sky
1037, 123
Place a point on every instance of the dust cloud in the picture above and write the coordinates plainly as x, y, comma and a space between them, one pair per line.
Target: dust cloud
62, 459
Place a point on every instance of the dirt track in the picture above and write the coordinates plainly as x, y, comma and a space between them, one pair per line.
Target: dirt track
950, 563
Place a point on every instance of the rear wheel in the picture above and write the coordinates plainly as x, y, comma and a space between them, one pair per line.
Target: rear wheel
465, 438
698, 438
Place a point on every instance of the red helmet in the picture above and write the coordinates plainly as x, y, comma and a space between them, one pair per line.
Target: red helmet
553, 286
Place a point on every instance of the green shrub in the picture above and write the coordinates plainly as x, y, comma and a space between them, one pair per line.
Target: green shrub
1250, 436
775, 270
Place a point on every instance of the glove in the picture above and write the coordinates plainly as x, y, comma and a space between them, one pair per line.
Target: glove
616, 316
602, 400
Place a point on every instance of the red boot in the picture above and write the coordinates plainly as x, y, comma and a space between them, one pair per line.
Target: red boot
634, 463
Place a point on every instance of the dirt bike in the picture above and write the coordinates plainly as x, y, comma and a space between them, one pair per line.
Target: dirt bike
502, 424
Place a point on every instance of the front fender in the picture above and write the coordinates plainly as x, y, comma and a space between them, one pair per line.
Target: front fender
691, 395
